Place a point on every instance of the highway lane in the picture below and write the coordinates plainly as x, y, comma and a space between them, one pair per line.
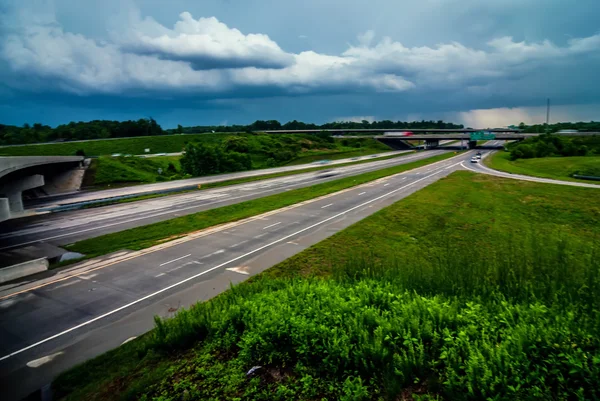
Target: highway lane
91, 309
86, 196
482, 168
68, 227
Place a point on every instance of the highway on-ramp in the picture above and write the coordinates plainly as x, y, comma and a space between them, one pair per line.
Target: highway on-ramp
68, 227
55, 323
482, 168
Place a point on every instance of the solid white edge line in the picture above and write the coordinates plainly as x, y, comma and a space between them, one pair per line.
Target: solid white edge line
137, 301
175, 260
272, 225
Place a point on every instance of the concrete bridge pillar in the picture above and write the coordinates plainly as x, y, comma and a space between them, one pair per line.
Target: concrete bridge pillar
4, 209
432, 143
14, 191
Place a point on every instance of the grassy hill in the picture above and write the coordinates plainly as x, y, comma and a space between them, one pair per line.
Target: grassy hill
265, 151
176, 143
474, 288
559, 168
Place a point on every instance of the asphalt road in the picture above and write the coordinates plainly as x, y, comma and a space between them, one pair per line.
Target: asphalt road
481, 168
68, 227
55, 323
86, 196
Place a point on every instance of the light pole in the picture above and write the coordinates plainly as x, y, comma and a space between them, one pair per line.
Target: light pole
547, 114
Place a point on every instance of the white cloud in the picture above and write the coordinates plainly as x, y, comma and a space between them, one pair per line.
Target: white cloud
51, 58
207, 58
500, 117
452, 63
206, 43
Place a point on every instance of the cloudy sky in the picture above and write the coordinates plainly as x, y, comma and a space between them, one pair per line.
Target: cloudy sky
197, 62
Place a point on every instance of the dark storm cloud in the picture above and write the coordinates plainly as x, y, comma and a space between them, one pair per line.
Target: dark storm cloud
168, 59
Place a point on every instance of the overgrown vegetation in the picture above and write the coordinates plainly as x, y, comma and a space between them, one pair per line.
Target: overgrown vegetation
548, 145
232, 150
146, 236
111, 170
559, 168
473, 288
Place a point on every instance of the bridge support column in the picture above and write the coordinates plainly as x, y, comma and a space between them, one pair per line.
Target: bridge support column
14, 191
4, 209
472, 144
432, 143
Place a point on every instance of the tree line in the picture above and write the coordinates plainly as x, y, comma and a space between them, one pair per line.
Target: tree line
591, 126
547, 145
105, 129
272, 125
97, 129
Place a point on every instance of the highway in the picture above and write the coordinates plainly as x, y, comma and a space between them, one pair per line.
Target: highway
481, 168
68, 227
137, 190
52, 324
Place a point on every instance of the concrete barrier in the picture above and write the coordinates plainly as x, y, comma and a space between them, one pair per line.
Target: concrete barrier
23, 269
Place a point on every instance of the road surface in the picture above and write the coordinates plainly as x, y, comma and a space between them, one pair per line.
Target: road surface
88, 196
68, 227
481, 168
53, 324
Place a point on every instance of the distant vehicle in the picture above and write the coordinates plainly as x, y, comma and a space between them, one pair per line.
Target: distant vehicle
567, 131
326, 173
478, 156
323, 161
405, 133
355, 158
374, 155
474, 160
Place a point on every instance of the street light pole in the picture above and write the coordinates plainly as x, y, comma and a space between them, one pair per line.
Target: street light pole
547, 114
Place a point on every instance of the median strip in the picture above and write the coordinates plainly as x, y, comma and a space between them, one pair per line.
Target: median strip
152, 234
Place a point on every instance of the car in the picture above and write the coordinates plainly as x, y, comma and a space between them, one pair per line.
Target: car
478, 156
326, 173
474, 160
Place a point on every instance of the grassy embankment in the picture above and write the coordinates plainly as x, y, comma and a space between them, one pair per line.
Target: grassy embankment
265, 151
558, 168
146, 236
473, 288
240, 181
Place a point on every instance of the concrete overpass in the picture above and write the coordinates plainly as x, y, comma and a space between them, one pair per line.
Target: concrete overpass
36, 176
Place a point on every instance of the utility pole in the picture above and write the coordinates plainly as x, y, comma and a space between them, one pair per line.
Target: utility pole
547, 113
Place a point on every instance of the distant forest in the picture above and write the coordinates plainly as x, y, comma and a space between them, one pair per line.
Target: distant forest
104, 129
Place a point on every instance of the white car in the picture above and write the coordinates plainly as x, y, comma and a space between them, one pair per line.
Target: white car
474, 159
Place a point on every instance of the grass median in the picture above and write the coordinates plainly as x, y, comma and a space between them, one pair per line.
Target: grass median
152, 234
237, 181
473, 288
557, 168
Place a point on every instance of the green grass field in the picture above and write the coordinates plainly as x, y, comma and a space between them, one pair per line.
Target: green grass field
152, 234
474, 288
558, 168
264, 150
259, 144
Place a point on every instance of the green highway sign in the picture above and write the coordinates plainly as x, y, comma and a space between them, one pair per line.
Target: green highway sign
482, 136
